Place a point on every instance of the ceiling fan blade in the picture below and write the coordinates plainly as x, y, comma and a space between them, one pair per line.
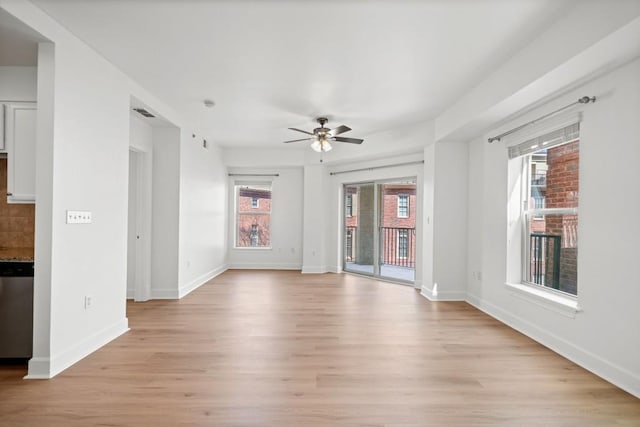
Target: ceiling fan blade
298, 140
349, 140
300, 130
339, 130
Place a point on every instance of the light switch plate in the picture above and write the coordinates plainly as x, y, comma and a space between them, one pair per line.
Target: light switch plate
78, 217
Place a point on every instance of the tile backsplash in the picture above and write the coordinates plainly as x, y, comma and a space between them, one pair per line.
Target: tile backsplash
17, 223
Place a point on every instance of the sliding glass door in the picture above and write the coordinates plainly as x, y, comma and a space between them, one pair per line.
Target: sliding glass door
380, 229
359, 232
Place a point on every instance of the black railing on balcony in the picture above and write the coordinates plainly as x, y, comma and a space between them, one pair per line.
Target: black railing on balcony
398, 246
545, 259
350, 243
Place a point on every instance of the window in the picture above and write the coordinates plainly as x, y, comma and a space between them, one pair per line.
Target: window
403, 206
253, 216
254, 235
550, 166
349, 205
403, 243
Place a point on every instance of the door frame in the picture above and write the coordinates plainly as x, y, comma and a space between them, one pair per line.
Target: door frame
377, 183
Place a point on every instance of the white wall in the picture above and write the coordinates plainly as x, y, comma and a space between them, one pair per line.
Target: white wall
604, 336
450, 220
316, 224
82, 164
203, 213
90, 164
165, 213
445, 221
18, 83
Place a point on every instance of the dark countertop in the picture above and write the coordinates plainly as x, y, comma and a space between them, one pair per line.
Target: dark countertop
16, 254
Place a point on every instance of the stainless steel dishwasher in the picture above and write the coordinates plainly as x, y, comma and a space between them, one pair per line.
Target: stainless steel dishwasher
16, 309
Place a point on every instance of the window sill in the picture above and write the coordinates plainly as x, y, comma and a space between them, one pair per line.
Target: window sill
565, 305
253, 248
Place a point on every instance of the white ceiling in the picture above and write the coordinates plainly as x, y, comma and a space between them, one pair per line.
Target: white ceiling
376, 66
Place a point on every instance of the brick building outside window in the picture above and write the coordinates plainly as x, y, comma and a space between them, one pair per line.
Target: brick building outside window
253, 220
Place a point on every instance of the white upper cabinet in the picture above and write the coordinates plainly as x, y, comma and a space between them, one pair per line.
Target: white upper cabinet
20, 145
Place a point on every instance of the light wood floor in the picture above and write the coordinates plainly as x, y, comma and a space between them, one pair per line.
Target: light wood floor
281, 348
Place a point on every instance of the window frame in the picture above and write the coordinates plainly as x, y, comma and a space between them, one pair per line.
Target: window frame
403, 236
238, 185
527, 214
348, 205
406, 196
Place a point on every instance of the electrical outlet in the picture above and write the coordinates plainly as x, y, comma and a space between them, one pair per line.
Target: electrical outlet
88, 302
79, 217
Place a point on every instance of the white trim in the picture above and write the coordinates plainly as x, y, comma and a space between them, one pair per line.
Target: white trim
561, 304
130, 293
199, 281
616, 375
264, 266
314, 270
435, 294
44, 368
551, 211
334, 269
39, 369
165, 294
252, 248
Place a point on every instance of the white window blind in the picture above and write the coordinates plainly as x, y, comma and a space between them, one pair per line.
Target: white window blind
552, 139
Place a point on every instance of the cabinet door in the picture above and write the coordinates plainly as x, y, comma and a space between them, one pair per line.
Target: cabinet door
21, 152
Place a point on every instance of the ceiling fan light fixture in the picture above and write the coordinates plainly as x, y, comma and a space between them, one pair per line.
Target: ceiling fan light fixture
320, 145
322, 135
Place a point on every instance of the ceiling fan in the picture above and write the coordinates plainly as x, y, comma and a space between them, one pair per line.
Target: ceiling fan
322, 135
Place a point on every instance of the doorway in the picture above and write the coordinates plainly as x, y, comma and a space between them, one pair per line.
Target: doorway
379, 237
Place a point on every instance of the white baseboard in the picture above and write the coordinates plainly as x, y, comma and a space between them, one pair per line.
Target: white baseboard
616, 375
264, 266
314, 270
130, 293
442, 295
44, 368
196, 283
165, 294
39, 369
